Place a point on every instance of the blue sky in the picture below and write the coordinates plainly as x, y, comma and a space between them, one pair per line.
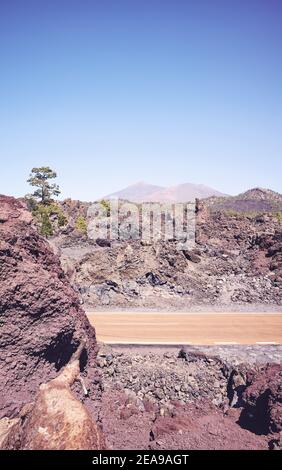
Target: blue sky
110, 92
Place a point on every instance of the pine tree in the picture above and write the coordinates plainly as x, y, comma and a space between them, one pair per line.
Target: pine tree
39, 178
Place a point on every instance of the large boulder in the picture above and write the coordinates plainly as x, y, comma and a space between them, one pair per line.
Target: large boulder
42, 325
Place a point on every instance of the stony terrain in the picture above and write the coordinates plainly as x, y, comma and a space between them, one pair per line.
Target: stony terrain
59, 389
251, 202
199, 398
56, 420
42, 328
237, 261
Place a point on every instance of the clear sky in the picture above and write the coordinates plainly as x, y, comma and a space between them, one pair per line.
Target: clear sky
110, 92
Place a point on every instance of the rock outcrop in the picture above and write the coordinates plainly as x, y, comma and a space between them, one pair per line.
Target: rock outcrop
213, 397
57, 420
262, 400
237, 260
42, 328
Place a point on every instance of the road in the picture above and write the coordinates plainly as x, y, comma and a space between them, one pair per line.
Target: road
187, 328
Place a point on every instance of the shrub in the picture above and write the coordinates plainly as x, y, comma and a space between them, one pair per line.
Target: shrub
81, 224
278, 216
46, 228
43, 214
54, 209
106, 205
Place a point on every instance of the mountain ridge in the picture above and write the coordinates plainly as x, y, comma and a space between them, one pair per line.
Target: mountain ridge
144, 192
252, 200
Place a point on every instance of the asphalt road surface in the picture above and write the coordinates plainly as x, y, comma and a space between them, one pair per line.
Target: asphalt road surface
187, 328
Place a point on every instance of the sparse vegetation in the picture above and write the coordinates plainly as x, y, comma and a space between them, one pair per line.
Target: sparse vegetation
252, 203
81, 224
42, 216
39, 178
106, 205
252, 215
46, 212
56, 210
278, 216
46, 228
231, 213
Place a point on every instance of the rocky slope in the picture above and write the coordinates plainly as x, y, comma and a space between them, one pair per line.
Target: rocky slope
57, 387
199, 398
251, 202
42, 326
237, 260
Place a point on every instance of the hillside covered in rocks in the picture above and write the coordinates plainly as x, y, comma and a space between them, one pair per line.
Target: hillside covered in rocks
47, 346
194, 398
237, 259
59, 389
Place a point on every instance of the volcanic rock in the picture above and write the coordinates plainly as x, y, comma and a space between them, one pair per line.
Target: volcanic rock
263, 400
191, 256
42, 324
236, 259
57, 420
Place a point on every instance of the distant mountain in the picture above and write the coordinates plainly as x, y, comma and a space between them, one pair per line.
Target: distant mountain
183, 193
143, 192
136, 193
261, 194
253, 200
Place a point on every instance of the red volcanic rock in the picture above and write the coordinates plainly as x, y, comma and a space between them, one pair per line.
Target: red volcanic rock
197, 426
41, 321
170, 424
56, 421
263, 400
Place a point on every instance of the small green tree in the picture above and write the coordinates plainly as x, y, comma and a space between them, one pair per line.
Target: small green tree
42, 215
81, 224
46, 226
47, 215
106, 206
39, 178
